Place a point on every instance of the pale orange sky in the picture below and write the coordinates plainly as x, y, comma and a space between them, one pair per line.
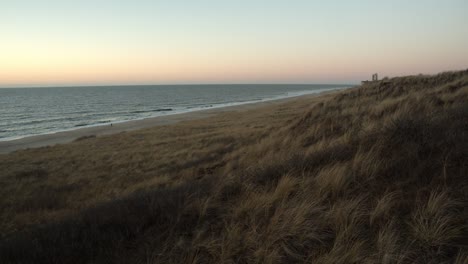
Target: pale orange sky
142, 42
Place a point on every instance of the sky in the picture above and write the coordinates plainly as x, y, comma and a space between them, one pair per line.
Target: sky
106, 42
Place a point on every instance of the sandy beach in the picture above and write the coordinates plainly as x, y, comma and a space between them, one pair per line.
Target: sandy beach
69, 136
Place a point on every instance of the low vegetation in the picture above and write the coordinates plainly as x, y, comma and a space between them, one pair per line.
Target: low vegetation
373, 174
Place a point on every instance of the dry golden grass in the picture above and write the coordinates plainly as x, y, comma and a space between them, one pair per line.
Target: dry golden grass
373, 174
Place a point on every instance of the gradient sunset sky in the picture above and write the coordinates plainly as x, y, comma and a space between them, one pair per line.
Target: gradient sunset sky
105, 42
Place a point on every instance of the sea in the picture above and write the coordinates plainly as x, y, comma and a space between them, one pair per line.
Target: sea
34, 111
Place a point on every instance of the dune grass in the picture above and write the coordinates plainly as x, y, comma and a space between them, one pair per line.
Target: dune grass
373, 174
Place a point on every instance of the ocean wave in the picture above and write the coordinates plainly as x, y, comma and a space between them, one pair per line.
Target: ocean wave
153, 110
82, 125
163, 110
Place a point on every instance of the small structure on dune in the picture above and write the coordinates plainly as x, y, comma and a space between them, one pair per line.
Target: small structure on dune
375, 78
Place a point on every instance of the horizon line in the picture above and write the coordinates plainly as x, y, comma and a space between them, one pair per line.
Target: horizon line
181, 84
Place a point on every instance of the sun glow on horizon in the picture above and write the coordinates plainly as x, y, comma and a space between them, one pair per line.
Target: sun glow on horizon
141, 42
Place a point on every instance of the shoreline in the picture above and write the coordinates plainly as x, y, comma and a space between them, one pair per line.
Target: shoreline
180, 111
67, 136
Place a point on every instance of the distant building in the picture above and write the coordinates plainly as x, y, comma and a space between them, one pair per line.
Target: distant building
375, 78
